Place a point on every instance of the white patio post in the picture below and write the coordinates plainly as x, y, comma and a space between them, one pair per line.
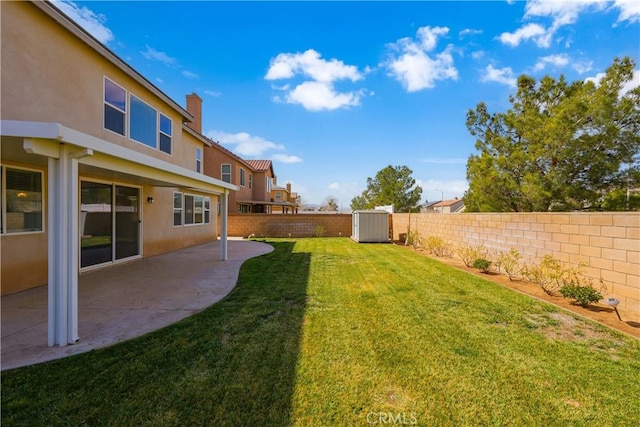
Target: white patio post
63, 246
224, 218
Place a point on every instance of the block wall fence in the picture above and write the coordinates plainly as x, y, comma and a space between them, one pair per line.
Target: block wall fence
285, 225
607, 243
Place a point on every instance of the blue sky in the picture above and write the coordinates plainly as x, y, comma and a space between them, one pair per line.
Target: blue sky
334, 91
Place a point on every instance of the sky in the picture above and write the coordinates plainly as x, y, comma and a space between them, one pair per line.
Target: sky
333, 91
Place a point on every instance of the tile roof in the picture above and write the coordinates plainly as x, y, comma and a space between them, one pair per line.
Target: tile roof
260, 165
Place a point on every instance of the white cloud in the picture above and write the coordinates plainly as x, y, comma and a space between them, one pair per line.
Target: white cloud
558, 61
414, 68
310, 64
499, 75
318, 96
582, 66
629, 10
527, 32
285, 158
478, 54
244, 143
469, 32
212, 93
334, 186
318, 93
188, 74
155, 55
93, 23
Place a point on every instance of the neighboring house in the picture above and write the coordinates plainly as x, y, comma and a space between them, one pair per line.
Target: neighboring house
284, 200
97, 164
264, 179
454, 205
428, 207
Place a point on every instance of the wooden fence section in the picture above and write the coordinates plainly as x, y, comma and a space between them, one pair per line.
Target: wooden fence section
607, 243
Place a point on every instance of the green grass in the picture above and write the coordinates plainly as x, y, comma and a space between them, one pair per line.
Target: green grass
324, 332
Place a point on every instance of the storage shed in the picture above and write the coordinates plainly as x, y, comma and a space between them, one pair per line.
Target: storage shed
371, 226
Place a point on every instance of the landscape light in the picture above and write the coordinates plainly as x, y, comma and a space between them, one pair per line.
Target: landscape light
613, 302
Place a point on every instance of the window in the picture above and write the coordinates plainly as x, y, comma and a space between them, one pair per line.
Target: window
177, 209
115, 107
226, 172
250, 181
242, 208
165, 134
278, 196
268, 184
197, 209
188, 209
143, 122
21, 201
207, 210
242, 177
198, 159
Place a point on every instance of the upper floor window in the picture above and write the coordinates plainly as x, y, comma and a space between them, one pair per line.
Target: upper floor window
250, 180
146, 124
164, 137
268, 184
225, 172
278, 195
198, 159
21, 200
143, 122
242, 177
115, 107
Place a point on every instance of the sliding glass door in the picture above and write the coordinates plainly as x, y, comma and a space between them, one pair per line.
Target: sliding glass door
109, 222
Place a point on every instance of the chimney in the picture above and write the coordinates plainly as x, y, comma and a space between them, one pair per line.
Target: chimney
194, 107
289, 187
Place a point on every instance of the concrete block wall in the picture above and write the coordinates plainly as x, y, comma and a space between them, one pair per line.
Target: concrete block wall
283, 225
607, 243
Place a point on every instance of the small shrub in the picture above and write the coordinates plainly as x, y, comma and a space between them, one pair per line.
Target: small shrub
582, 295
469, 254
548, 274
509, 262
482, 264
413, 239
436, 246
319, 230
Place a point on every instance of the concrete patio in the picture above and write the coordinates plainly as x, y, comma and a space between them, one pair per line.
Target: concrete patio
124, 301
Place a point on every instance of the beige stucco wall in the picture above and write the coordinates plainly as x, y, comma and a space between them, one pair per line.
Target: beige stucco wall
607, 243
49, 75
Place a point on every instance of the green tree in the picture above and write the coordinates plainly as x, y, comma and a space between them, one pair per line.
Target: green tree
391, 185
560, 146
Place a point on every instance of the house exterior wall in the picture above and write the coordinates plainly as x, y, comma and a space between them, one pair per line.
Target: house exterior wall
45, 69
51, 75
214, 158
607, 243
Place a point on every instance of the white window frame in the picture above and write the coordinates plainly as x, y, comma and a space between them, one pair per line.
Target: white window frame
180, 209
105, 103
222, 173
242, 177
204, 213
250, 181
268, 184
161, 133
3, 192
157, 126
198, 159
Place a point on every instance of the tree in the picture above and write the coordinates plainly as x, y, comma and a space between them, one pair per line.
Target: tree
391, 185
330, 204
560, 146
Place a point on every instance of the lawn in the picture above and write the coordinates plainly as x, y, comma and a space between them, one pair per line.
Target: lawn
324, 332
